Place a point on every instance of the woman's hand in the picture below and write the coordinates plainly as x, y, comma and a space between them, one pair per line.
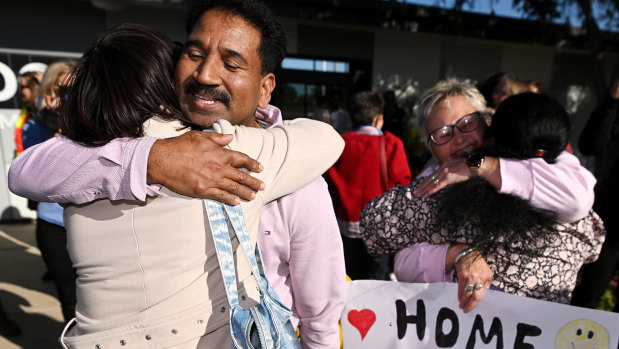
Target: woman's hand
458, 171
448, 173
472, 269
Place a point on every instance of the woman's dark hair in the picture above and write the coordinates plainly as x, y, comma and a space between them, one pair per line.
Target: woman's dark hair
122, 80
528, 123
272, 49
473, 211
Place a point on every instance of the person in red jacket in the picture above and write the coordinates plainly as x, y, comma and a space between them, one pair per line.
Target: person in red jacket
372, 162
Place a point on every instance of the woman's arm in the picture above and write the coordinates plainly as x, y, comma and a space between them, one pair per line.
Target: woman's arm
565, 187
424, 262
388, 222
293, 154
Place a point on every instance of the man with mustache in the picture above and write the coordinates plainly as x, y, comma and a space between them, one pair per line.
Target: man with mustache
225, 71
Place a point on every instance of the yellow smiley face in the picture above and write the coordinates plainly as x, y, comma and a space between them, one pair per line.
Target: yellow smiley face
582, 334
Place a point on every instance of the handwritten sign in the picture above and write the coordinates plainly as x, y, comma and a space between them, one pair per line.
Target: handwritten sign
384, 314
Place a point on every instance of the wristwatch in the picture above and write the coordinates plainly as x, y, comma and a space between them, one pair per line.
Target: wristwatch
474, 161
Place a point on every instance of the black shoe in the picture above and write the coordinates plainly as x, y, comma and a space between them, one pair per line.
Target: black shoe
47, 277
8, 328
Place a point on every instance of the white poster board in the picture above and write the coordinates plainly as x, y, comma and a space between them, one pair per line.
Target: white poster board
385, 314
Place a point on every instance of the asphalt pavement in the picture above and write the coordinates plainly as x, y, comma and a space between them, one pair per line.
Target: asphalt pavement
28, 300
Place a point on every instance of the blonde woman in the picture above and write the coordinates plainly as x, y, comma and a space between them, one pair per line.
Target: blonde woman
48, 98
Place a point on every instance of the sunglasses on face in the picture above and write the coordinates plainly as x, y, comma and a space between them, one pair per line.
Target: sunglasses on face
467, 123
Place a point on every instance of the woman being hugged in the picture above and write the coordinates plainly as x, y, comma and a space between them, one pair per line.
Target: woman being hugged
451, 114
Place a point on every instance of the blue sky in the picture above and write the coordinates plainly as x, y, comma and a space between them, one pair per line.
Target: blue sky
501, 8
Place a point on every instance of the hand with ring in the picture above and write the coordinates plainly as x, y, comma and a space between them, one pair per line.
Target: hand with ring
448, 173
474, 276
469, 288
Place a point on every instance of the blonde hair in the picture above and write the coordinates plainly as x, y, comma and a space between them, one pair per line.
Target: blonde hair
442, 91
46, 88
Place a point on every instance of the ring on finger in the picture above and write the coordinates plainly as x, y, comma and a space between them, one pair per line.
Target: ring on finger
435, 180
468, 288
478, 287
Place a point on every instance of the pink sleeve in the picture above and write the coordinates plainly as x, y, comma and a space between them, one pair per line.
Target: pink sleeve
317, 268
422, 262
564, 187
60, 170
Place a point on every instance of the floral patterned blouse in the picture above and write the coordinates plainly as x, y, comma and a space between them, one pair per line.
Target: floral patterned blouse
398, 219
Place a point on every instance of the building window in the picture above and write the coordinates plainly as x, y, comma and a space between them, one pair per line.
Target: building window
318, 65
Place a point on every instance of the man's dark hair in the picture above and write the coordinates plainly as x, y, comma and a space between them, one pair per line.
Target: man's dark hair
122, 80
272, 49
365, 106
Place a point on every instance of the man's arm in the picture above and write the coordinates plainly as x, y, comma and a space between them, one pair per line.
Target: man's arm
317, 272
61, 170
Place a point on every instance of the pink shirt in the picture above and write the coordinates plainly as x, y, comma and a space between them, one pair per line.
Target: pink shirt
298, 235
564, 187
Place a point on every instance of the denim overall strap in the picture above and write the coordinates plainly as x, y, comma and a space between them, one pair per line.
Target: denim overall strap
221, 238
266, 325
235, 214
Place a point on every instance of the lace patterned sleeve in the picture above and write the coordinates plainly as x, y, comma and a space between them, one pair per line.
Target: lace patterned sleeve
590, 233
398, 219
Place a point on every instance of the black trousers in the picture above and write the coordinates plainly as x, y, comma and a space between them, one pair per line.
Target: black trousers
360, 264
52, 241
596, 276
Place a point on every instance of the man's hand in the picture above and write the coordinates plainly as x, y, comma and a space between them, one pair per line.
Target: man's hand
196, 165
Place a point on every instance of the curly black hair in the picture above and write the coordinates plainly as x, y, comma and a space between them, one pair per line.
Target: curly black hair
524, 126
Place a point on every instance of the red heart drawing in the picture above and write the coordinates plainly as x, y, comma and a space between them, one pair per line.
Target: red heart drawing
362, 320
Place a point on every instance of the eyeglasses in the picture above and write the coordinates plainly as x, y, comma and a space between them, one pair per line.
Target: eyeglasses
466, 124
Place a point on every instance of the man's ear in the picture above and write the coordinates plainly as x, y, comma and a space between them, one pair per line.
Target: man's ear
378, 121
267, 84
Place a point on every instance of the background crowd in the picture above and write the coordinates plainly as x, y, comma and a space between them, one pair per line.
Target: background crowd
381, 212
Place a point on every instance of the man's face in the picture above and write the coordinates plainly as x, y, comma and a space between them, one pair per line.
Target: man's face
500, 93
444, 114
219, 75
